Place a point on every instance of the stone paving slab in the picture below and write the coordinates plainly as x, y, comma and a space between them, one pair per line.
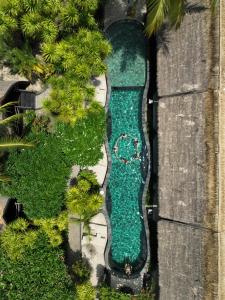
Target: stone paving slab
101, 168
100, 89
93, 247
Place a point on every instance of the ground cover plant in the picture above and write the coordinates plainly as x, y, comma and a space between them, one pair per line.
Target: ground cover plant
38, 272
39, 175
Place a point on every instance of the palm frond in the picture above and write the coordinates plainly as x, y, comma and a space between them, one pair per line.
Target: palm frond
6, 144
176, 12
157, 11
49, 31
4, 178
213, 4
31, 5
4, 106
30, 24
10, 119
194, 8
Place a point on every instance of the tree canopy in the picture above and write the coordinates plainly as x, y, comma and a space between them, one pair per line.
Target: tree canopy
57, 41
39, 274
39, 175
84, 198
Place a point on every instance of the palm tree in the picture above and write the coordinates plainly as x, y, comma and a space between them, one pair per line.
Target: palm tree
9, 142
172, 10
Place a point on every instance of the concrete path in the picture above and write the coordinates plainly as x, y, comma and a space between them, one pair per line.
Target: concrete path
101, 168
100, 89
93, 247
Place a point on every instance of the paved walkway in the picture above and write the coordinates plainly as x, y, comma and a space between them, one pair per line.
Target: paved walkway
93, 247
100, 89
101, 168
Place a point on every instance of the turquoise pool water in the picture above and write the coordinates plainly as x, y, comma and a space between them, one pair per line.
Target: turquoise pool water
127, 74
126, 180
127, 64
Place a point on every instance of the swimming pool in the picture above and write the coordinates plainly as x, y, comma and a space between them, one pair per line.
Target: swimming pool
126, 144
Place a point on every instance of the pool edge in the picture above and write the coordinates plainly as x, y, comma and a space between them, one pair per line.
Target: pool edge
144, 194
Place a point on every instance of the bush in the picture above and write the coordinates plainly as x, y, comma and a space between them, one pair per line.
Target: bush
38, 177
39, 274
16, 239
106, 293
84, 198
82, 142
53, 227
81, 269
58, 42
85, 291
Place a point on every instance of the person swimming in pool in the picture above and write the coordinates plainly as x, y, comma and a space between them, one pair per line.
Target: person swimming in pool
135, 142
115, 149
125, 161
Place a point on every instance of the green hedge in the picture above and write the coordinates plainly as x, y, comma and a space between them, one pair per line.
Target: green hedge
39, 175
82, 142
39, 275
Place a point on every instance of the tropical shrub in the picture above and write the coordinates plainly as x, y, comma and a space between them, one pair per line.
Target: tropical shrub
30, 27
85, 291
54, 227
38, 177
84, 199
82, 142
81, 269
105, 293
39, 274
58, 42
16, 239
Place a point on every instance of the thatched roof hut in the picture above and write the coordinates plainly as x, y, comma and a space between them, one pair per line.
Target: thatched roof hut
188, 65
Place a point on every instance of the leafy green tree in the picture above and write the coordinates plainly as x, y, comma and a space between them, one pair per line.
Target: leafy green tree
40, 274
39, 175
171, 10
84, 199
57, 41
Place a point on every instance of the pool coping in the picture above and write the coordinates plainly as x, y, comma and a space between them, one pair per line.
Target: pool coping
144, 129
